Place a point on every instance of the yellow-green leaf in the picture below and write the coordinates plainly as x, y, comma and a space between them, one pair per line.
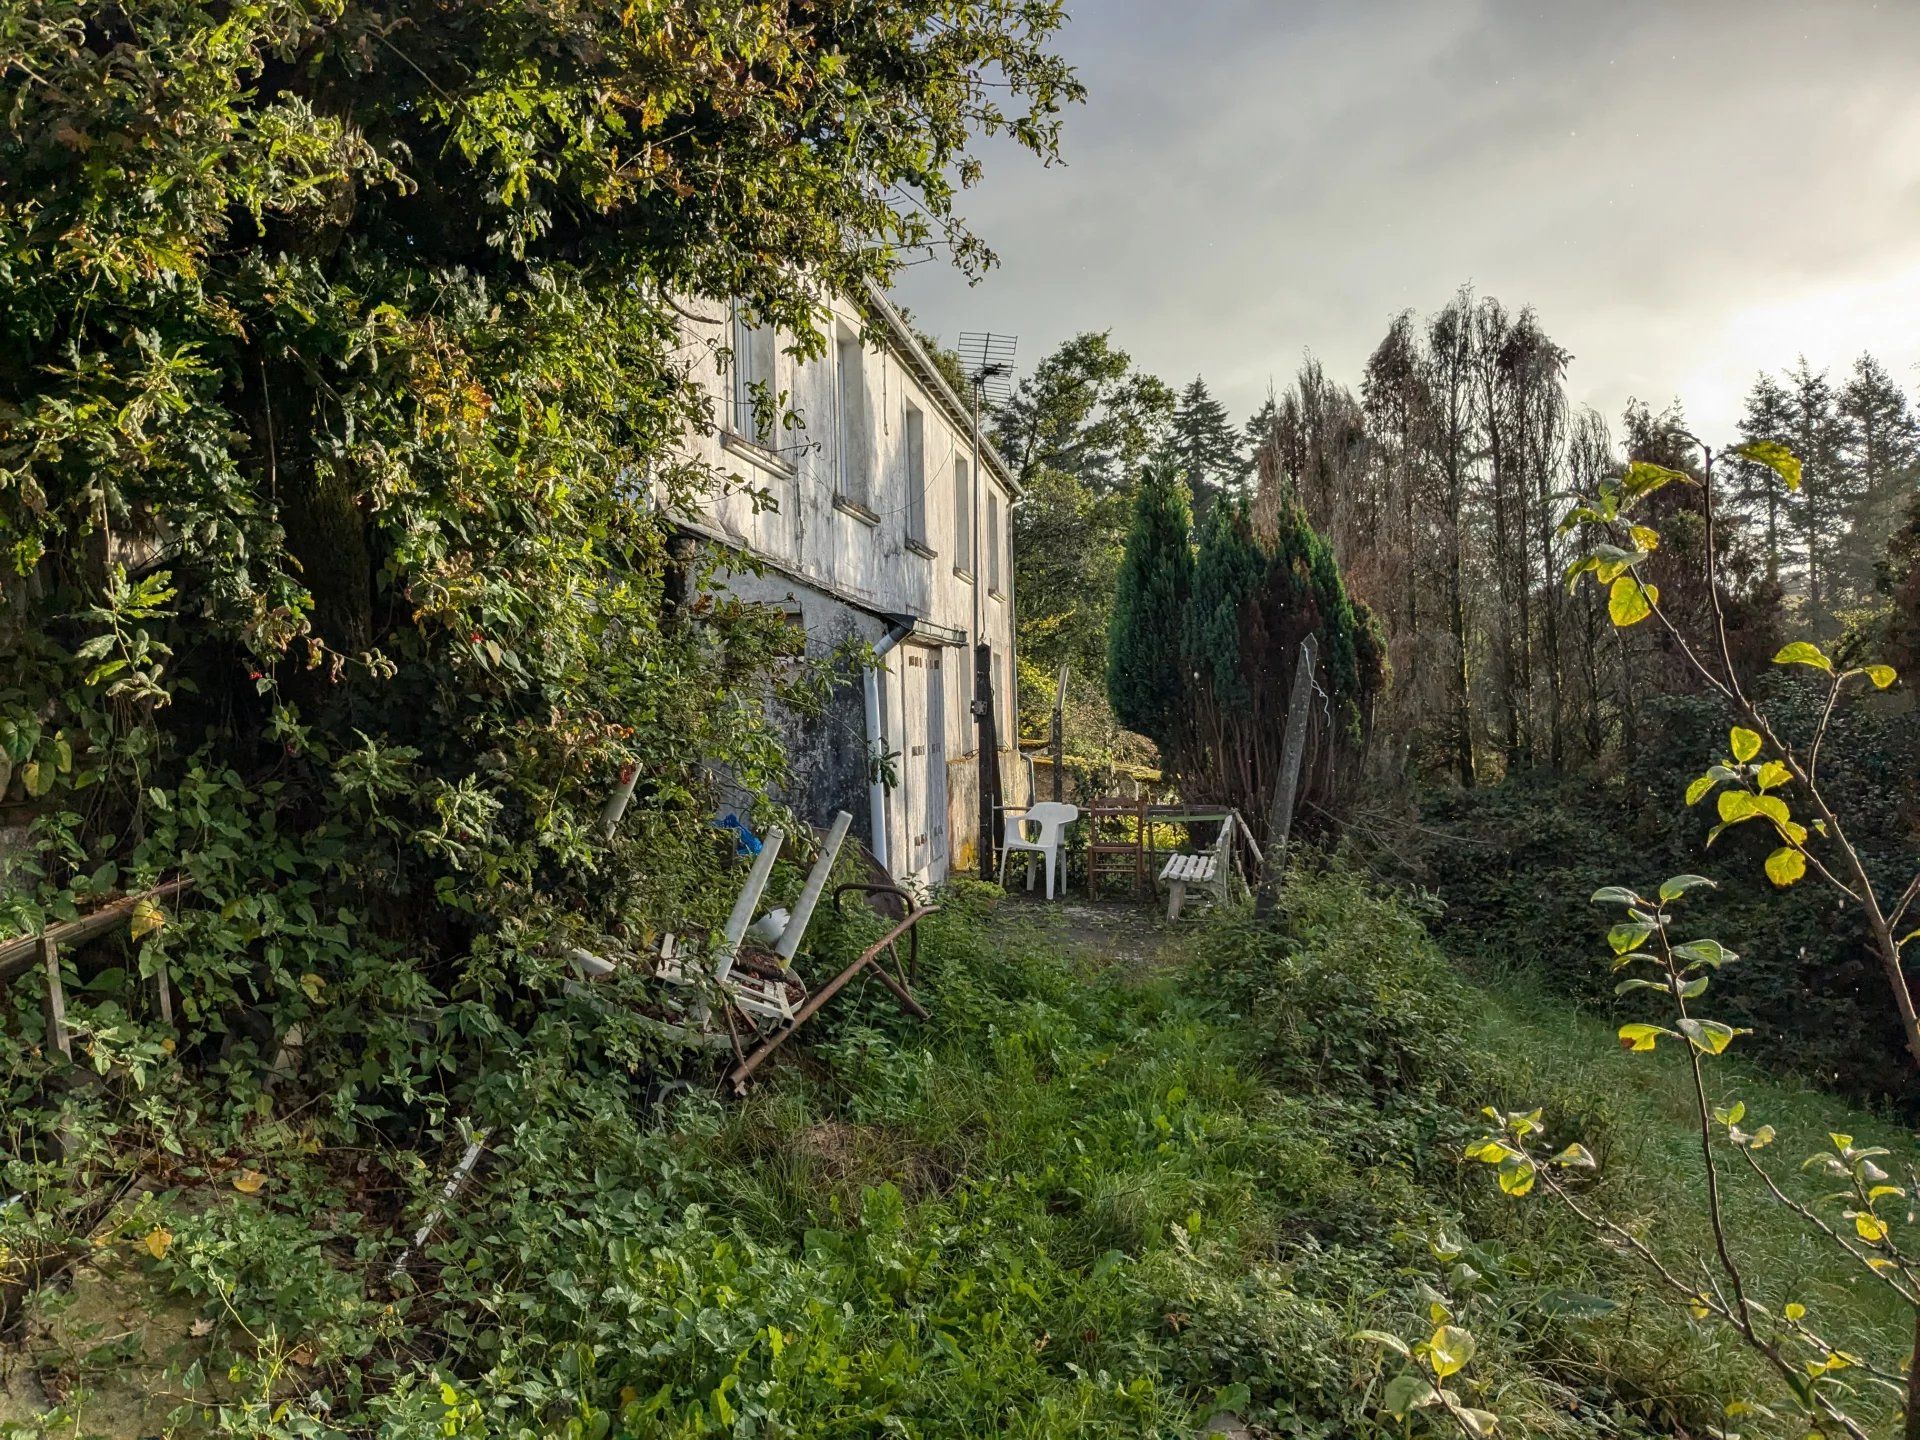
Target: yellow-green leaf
1629, 602
1882, 675
1802, 653
1643, 478
1775, 456
1697, 791
1646, 537
1735, 806
1785, 866
147, 918
1870, 1228
1640, 1037
1746, 743
1773, 775
1795, 1310
1448, 1350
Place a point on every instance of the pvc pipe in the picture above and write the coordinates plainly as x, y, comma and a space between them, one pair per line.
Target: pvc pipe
816, 882
743, 908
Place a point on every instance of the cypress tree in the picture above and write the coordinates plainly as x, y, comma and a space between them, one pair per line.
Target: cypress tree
1145, 681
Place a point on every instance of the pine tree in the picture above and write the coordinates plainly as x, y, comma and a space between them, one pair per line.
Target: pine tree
1202, 442
1146, 683
1825, 494
1763, 495
1879, 447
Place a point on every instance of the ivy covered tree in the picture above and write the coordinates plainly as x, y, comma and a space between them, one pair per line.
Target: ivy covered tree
342, 399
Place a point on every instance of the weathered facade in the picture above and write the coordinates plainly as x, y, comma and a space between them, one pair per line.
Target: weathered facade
877, 518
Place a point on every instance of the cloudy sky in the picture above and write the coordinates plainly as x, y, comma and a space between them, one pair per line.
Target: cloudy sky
1686, 190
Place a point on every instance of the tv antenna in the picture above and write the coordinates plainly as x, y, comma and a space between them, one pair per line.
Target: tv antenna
988, 361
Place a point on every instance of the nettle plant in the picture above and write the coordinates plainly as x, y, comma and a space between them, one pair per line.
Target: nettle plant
1865, 1215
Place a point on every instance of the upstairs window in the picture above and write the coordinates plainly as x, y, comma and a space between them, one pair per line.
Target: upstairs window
853, 438
963, 517
755, 401
914, 442
993, 541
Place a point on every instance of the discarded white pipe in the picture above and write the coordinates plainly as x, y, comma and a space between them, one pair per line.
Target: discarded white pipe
743, 908
617, 802
816, 882
447, 1192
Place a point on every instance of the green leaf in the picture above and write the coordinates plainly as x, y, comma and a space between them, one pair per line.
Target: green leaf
1516, 1174
1735, 806
1476, 1422
1406, 1393
1785, 866
1576, 1157
1882, 675
1629, 602
1614, 895
1627, 986
1709, 1036
1746, 743
1775, 456
1574, 1305
1802, 653
1381, 1337
1703, 952
1449, 1350
1674, 888
1627, 935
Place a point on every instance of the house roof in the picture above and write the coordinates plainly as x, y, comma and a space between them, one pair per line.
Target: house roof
908, 347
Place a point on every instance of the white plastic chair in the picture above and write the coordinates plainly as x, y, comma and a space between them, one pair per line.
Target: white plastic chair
1048, 822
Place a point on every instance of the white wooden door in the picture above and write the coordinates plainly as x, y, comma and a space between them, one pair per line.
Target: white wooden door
913, 760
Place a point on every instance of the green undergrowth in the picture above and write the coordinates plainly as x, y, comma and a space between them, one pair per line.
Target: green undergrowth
1085, 1199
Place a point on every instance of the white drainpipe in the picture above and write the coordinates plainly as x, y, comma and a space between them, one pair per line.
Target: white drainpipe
876, 742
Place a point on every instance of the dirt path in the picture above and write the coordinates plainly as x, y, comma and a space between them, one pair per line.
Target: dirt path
1131, 934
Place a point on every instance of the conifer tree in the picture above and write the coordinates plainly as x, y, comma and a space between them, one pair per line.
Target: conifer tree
1145, 680
1763, 495
1879, 446
1202, 442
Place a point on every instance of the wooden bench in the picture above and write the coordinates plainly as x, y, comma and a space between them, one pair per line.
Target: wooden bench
1211, 868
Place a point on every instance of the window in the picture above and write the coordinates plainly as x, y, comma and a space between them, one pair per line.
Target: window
853, 439
755, 402
963, 518
993, 541
914, 438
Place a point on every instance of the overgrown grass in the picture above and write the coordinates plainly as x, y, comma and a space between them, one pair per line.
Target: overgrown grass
1085, 1199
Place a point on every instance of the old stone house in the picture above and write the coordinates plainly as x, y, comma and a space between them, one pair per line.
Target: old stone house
889, 522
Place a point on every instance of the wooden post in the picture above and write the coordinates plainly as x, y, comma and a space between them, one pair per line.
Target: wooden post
1286, 784
57, 1037
1059, 749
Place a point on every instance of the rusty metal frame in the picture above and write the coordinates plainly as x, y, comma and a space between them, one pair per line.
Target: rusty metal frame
898, 980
